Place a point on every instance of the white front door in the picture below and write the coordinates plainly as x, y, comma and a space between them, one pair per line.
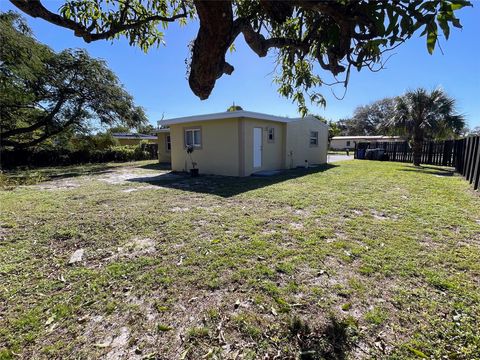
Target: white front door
257, 147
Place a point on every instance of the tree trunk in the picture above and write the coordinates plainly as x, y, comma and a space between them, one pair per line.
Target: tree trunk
417, 147
209, 48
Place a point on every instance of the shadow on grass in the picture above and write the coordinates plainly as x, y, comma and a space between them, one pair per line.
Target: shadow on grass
333, 342
430, 169
155, 166
78, 171
225, 186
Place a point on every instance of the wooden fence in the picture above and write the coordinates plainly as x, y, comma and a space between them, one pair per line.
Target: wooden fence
463, 154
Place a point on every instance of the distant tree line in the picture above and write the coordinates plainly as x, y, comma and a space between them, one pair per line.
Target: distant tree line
376, 119
49, 97
417, 115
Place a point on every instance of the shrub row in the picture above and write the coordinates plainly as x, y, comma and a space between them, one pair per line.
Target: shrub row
54, 157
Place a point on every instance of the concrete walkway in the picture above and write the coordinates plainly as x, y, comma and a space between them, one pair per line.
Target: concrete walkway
335, 158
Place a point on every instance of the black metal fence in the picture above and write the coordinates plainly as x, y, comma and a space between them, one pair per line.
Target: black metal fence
469, 163
463, 154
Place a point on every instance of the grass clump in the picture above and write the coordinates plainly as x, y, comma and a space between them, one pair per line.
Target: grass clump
163, 328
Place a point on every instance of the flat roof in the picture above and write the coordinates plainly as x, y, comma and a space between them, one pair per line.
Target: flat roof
230, 115
133, 136
365, 137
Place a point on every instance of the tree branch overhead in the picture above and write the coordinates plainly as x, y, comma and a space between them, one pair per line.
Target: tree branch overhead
335, 35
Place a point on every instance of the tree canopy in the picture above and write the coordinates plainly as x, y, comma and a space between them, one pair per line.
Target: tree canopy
308, 35
44, 93
371, 119
147, 129
333, 130
420, 115
474, 131
234, 108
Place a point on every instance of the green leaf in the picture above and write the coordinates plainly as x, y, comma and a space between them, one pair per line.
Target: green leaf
417, 352
162, 327
429, 5
458, 4
443, 25
393, 22
432, 37
456, 23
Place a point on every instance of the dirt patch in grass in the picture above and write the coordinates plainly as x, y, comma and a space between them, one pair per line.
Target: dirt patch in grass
145, 187
122, 176
55, 185
380, 215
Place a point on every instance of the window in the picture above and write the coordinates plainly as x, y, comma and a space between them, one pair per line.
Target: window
313, 138
193, 137
168, 144
348, 143
271, 135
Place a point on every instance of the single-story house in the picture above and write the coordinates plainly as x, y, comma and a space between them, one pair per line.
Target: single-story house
349, 142
240, 143
164, 145
133, 138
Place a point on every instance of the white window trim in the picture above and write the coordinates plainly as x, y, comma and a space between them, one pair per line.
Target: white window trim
168, 140
272, 140
313, 137
192, 130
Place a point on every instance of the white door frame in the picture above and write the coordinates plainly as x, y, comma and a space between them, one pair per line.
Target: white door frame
257, 147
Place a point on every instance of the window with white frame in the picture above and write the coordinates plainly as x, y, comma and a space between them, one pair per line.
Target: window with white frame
313, 138
168, 144
193, 137
348, 143
271, 135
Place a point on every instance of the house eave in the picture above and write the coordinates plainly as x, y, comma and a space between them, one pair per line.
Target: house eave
227, 115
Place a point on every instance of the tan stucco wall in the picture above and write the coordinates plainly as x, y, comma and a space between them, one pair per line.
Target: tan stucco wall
164, 156
272, 152
124, 142
298, 148
219, 153
227, 146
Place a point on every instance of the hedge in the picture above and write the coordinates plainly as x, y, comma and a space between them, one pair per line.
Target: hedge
54, 157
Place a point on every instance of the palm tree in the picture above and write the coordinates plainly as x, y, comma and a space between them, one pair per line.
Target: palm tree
420, 115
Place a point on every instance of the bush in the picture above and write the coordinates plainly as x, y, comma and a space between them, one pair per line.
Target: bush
64, 156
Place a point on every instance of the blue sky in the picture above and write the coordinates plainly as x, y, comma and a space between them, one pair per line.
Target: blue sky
158, 82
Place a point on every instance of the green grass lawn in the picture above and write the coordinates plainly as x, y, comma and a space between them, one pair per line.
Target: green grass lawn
352, 260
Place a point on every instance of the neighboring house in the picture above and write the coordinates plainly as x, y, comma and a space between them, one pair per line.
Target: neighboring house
240, 143
349, 142
164, 146
133, 139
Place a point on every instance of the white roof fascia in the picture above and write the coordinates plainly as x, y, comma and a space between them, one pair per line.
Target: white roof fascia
365, 137
310, 117
134, 137
227, 115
